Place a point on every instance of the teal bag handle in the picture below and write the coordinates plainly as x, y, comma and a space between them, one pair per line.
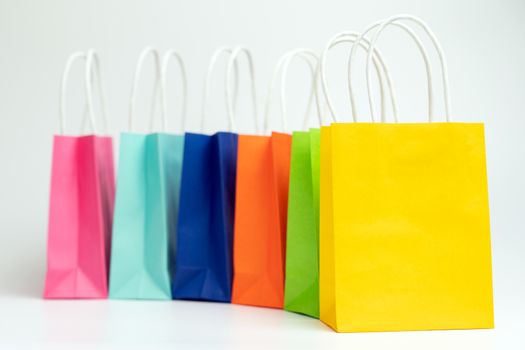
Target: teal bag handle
184, 86
158, 73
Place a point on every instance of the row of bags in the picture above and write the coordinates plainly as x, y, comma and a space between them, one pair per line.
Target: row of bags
367, 226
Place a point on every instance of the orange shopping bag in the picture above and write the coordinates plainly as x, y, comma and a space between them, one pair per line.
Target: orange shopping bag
261, 203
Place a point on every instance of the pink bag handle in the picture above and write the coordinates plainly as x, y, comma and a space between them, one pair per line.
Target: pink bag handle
93, 60
75, 56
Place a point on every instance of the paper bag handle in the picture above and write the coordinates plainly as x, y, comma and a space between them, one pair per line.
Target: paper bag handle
361, 37
184, 84
352, 37
75, 56
93, 60
229, 103
444, 69
158, 73
282, 67
207, 81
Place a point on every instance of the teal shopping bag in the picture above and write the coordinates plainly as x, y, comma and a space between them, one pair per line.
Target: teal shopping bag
145, 215
146, 211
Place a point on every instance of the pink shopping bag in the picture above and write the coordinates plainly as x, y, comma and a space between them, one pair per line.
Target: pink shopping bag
80, 209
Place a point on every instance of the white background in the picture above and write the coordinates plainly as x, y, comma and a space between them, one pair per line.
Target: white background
484, 44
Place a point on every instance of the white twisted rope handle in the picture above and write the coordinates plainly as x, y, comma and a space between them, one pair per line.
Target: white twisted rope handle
352, 37
88, 74
93, 60
138, 68
444, 69
313, 93
184, 81
352, 56
211, 67
307, 56
75, 56
229, 103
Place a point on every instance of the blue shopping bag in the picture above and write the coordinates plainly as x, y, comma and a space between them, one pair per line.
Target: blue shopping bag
201, 264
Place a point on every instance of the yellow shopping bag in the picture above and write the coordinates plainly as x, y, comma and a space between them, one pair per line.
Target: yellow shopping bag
405, 237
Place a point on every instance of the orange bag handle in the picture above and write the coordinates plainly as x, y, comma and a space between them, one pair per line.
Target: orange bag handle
229, 103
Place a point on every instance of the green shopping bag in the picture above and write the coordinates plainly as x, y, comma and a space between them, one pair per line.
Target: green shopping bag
301, 292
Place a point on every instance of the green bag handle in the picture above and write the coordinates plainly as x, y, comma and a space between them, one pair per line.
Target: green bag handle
307, 55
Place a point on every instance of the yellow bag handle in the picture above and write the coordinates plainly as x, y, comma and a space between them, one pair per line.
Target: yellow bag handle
357, 40
444, 70
421, 48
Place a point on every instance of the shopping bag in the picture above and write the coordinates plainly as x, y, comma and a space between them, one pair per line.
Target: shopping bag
301, 293
263, 167
80, 212
405, 243
405, 237
301, 285
146, 209
202, 256
145, 215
